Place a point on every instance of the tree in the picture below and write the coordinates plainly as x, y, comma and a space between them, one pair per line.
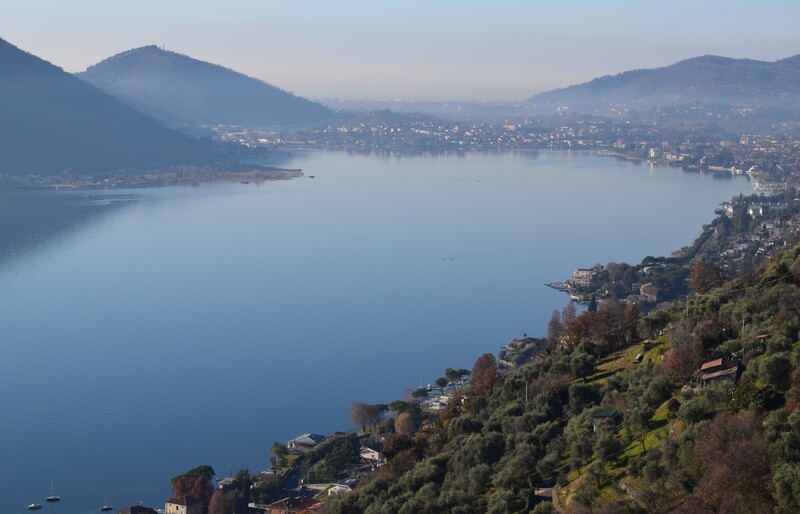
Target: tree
196, 483
568, 314
616, 270
401, 406
242, 482
484, 372
600, 327
606, 443
630, 323
452, 375
582, 364
555, 329
223, 502
650, 325
786, 478
733, 458
704, 276
421, 392
279, 452
441, 383
183, 486
359, 415
776, 370
592, 304
198, 471
202, 489
578, 436
636, 419
581, 395
363, 414
404, 423
683, 358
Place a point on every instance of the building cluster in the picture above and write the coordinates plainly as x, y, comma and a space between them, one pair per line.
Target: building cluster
773, 160
773, 226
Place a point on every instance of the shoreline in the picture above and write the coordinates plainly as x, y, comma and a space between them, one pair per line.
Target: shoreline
134, 180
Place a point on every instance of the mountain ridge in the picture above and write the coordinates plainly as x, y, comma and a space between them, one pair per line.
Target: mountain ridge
51, 121
706, 78
179, 89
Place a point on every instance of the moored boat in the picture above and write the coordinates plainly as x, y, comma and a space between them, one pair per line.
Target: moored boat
53, 497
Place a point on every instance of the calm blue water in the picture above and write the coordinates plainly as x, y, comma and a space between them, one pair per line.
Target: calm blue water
146, 332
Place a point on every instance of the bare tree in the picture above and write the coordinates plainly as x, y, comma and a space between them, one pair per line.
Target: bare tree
555, 328
684, 356
404, 423
484, 372
363, 414
704, 276
568, 314
734, 460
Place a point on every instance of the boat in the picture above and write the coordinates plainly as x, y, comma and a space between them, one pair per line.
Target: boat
52, 498
34, 506
106, 507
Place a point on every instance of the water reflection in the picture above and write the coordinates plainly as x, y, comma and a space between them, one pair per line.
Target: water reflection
31, 220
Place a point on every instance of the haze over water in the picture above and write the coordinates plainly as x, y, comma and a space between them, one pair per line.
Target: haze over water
155, 330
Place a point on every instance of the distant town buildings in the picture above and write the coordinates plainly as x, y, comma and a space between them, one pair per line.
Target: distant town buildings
584, 278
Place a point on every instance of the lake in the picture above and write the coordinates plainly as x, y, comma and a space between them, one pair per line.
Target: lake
145, 332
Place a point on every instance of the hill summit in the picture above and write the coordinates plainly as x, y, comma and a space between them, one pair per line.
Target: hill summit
176, 88
709, 78
51, 121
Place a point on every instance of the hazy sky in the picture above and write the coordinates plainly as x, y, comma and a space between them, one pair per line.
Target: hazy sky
410, 49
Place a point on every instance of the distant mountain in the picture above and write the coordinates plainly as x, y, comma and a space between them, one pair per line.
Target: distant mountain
710, 79
176, 88
51, 121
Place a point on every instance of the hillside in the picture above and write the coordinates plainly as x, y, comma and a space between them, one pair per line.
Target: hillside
178, 89
693, 408
706, 79
51, 121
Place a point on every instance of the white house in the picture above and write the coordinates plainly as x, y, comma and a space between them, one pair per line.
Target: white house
370, 454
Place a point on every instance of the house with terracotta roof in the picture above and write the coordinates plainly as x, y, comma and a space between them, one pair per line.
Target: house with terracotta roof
183, 505
649, 292
293, 504
719, 369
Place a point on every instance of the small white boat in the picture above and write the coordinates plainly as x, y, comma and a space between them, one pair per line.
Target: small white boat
34, 506
106, 508
53, 497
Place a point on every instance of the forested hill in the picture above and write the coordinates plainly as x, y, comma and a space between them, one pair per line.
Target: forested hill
707, 79
610, 431
176, 88
51, 121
